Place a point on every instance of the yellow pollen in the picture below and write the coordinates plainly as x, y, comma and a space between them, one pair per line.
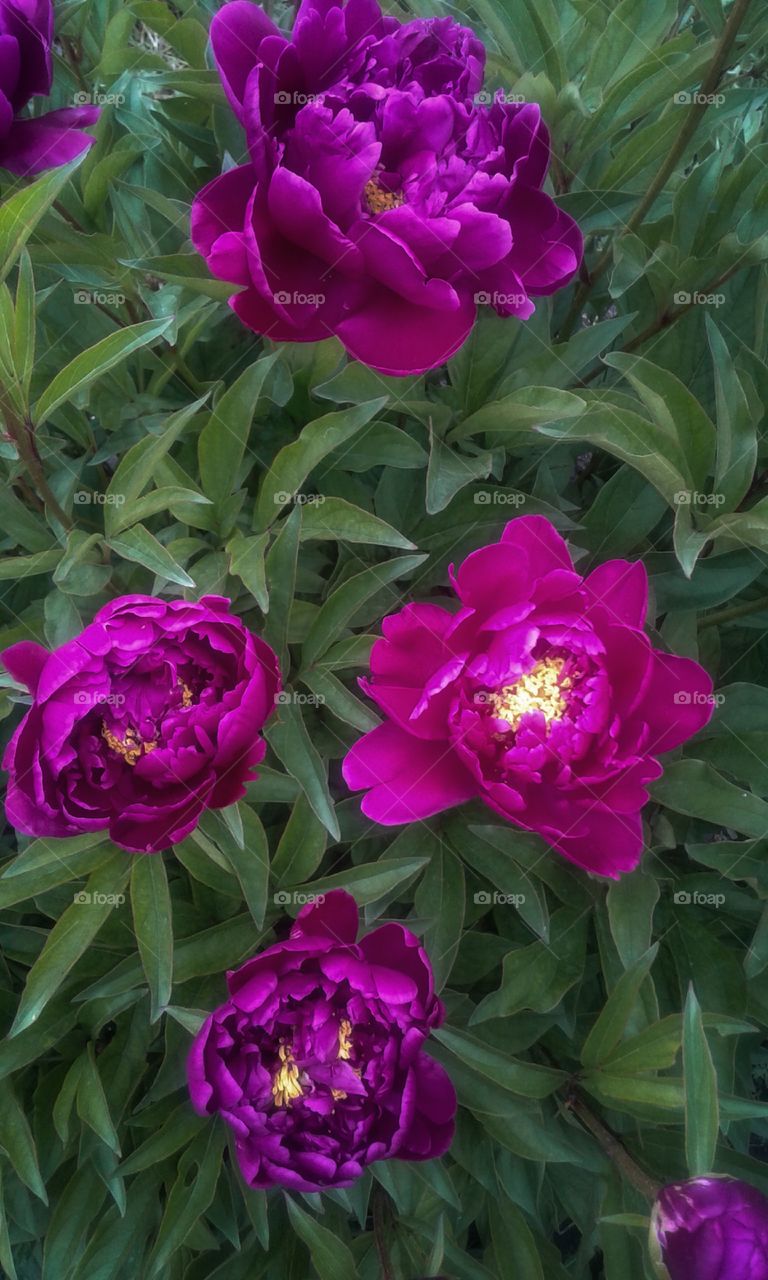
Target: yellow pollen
285, 1085
379, 200
338, 1094
541, 689
186, 694
345, 1044
131, 749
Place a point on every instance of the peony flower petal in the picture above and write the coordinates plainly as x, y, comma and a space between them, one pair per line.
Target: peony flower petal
620, 587
678, 701
334, 916
409, 777
237, 31
31, 146
399, 338
25, 662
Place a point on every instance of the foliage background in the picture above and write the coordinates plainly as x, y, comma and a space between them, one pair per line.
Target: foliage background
152, 445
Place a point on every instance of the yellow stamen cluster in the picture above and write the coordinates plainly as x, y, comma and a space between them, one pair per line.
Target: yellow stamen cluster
379, 200
285, 1086
131, 748
541, 689
345, 1044
286, 1081
186, 694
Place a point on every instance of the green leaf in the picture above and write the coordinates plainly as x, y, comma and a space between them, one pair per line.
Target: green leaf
490, 851
330, 1256
70, 937
701, 1105
95, 362
334, 518
695, 788
513, 1243
736, 435
92, 1105
189, 1197
342, 604
21, 212
224, 438
297, 460
153, 926
24, 324
631, 902
6, 1252
528, 407
624, 433
524, 1078
246, 561
249, 860
19, 567
140, 545
280, 572
330, 693
288, 737
138, 467
674, 409
449, 471
537, 976
177, 1131
609, 1027
440, 899
301, 846
368, 882
17, 1142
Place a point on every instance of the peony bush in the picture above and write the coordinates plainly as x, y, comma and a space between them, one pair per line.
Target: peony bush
383, 657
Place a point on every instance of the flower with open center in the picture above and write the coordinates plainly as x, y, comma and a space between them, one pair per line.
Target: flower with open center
151, 715
384, 195
542, 696
315, 1059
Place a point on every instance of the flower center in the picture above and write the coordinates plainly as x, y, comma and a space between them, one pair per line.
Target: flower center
379, 200
285, 1085
345, 1044
131, 748
541, 689
286, 1082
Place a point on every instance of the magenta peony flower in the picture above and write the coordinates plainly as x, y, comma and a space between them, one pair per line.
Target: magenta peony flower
542, 696
316, 1061
151, 715
710, 1229
29, 145
382, 199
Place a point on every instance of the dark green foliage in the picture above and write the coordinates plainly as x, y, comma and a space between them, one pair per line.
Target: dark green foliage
176, 453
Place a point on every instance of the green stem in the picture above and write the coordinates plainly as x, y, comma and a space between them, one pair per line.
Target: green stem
693, 119
735, 611
22, 434
382, 1228
664, 321
615, 1151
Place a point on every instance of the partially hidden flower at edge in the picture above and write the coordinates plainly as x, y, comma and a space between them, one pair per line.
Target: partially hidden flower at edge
541, 696
315, 1060
30, 144
147, 718
384, 195
710, 1228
